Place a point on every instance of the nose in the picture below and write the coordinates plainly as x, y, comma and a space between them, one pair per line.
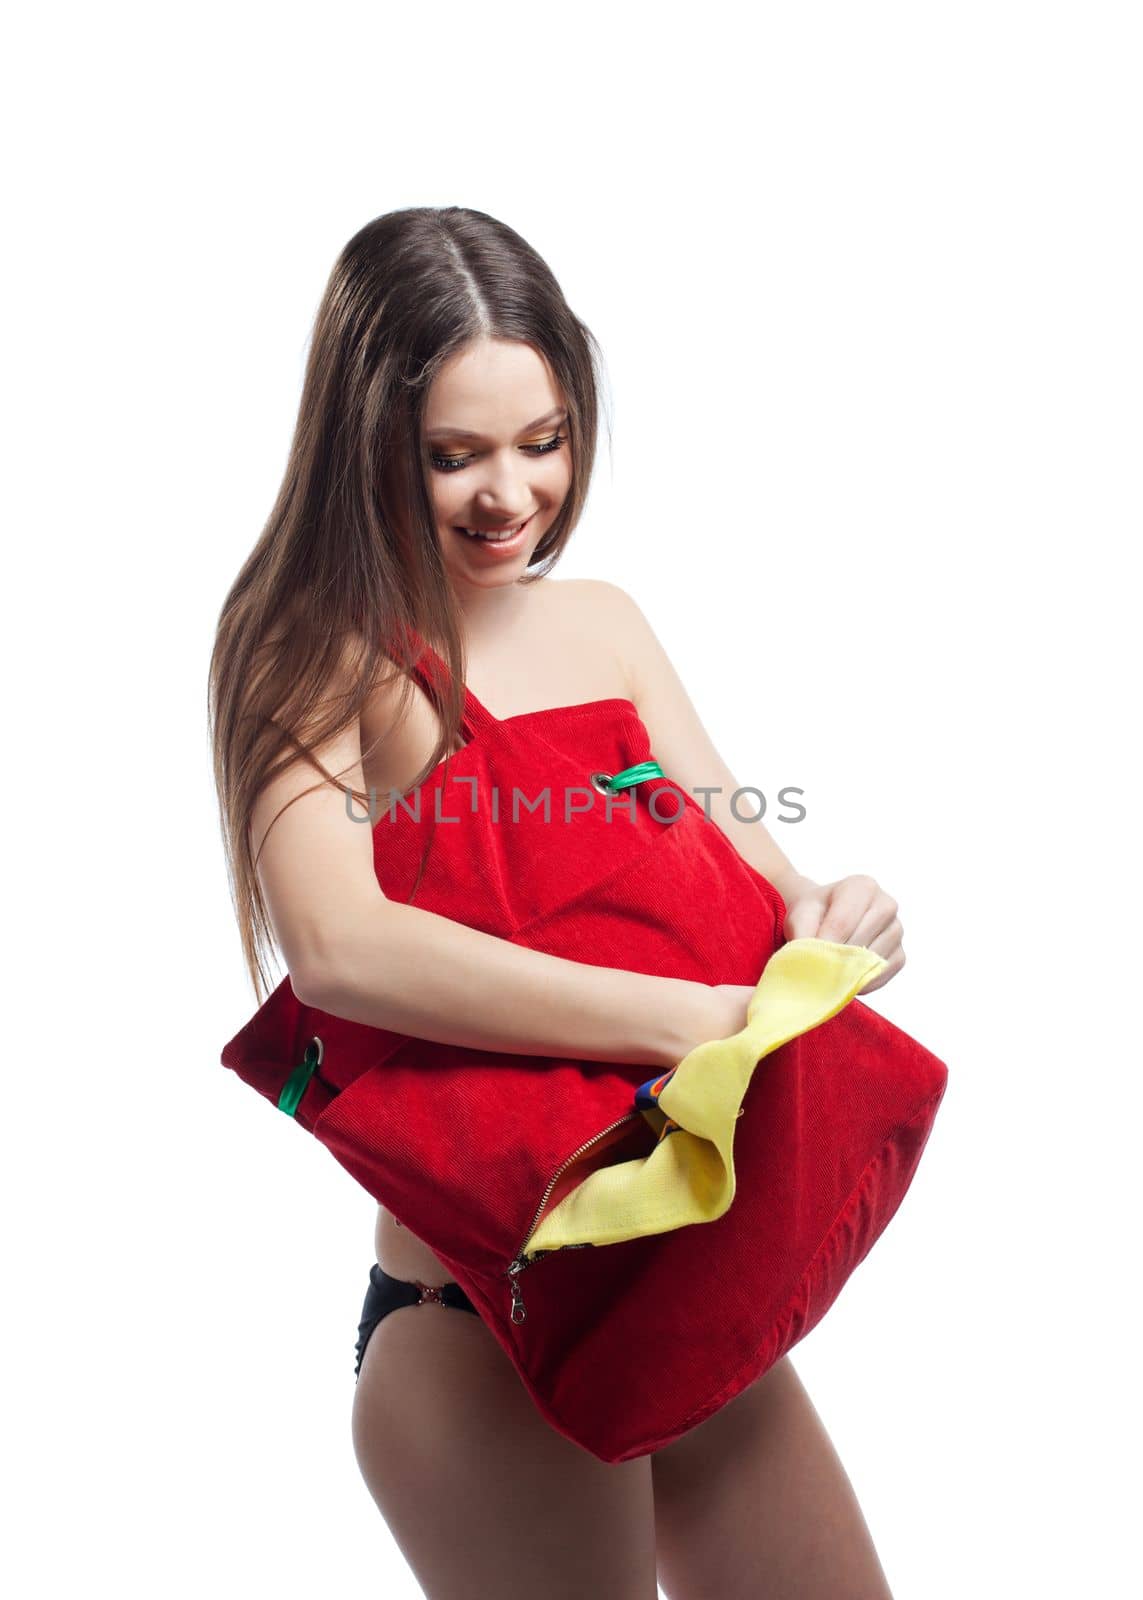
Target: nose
503, 494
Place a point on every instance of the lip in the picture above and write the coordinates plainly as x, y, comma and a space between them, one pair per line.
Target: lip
505, 547
498, 527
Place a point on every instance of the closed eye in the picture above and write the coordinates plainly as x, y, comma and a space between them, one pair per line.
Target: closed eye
451, 463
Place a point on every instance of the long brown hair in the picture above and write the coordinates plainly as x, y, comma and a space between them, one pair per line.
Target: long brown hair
348, 568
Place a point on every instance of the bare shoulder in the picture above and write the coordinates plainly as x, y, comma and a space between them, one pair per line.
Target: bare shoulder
654, 684
597, 596
609, 612
602, 616
677, 733
582, 593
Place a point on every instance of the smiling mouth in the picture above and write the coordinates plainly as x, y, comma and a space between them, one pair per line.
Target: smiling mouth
496, 535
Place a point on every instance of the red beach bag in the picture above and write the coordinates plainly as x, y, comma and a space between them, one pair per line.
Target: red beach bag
642, 1250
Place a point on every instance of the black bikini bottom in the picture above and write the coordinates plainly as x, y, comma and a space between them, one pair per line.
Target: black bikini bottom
386, 1293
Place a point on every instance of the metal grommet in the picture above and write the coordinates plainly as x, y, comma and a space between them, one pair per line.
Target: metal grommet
616, 782
295, 1086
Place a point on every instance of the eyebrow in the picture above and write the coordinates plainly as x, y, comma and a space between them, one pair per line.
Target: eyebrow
463, 433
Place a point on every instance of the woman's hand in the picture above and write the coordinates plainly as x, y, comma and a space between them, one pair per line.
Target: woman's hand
705, 1012
851, 911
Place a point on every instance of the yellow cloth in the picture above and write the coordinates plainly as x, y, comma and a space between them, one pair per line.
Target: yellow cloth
689, 1175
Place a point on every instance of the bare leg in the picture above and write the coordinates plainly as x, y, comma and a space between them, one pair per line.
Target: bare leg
754, 1504
485, 1500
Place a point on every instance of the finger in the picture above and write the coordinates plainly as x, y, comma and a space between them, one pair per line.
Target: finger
849, 901
879, 929
804, 917
890, 970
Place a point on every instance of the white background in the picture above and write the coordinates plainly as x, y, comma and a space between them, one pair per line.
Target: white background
867, 282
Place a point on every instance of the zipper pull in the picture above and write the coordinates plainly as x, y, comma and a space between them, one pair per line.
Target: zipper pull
517, 1298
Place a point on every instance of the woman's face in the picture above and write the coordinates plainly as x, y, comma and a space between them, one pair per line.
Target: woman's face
498, 457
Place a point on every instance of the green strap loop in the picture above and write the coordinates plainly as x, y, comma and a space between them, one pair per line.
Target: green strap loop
298, 1080
633, 775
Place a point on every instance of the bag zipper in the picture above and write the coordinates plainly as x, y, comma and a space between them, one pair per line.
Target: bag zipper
522, 1259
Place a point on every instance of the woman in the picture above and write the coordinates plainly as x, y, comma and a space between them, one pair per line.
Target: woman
441, 461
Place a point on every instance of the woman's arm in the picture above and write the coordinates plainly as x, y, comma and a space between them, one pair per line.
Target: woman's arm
356, 954
416, 972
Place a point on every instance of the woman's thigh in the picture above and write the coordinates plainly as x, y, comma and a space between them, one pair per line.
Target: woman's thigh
755, 1501
482, 1496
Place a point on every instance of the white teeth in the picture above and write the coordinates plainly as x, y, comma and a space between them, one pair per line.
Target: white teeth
493, 538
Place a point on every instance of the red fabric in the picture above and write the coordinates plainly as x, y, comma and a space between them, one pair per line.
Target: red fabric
624, 1347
